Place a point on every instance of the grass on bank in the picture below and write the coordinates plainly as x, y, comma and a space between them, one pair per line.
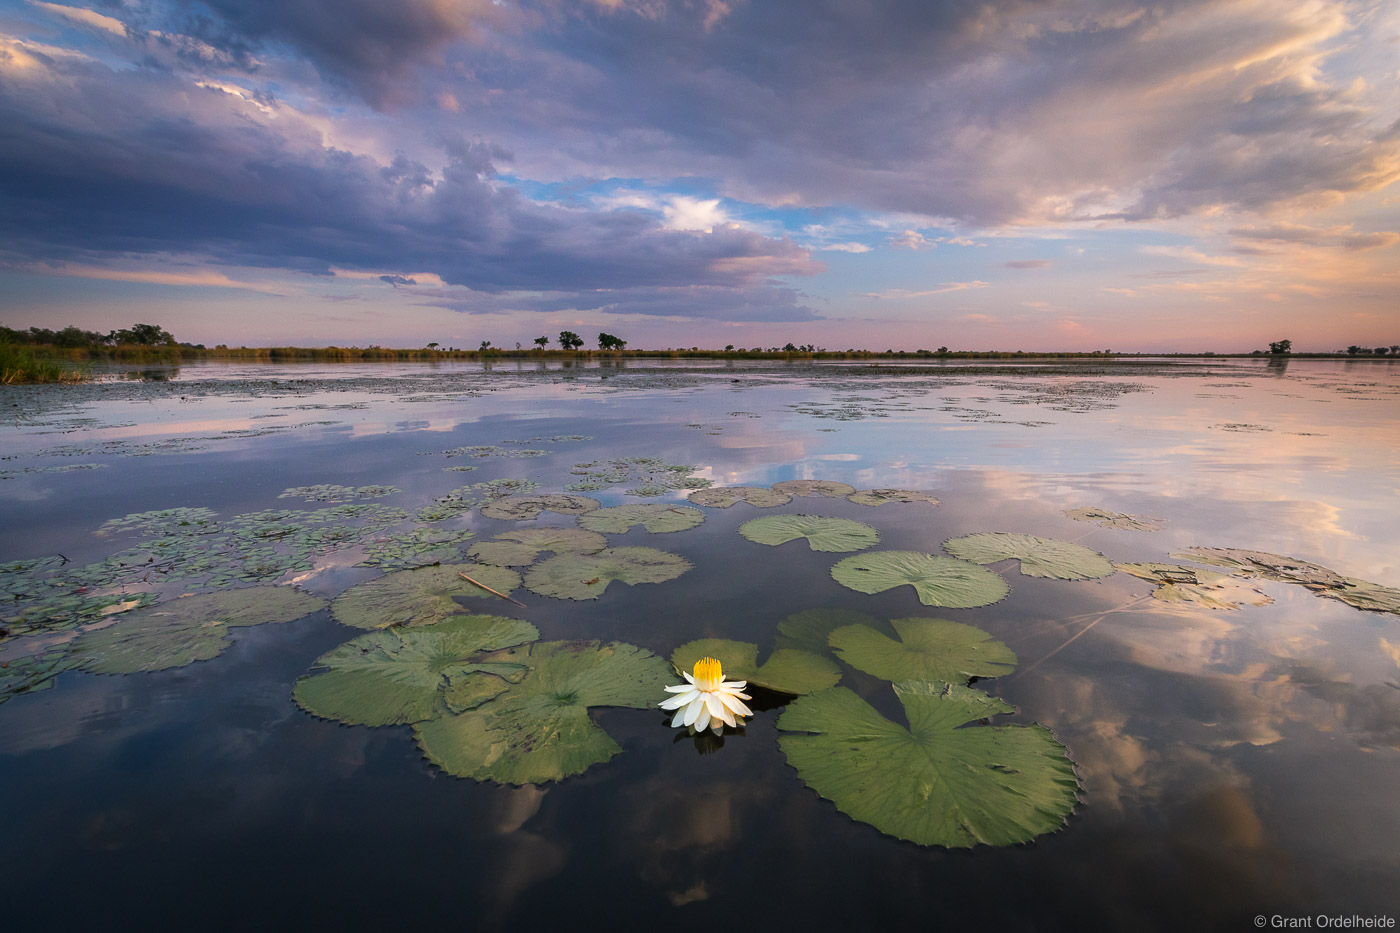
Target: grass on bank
21, 365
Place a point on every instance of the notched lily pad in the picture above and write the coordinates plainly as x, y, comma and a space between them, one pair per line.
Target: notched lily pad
1039, 557
723, 497
809, 630
814, 487
881, 496
179, 632
586, 576
933, 783
654, 517
397, 675
418, 597
1362, 594
521, 547
1177, 583
524, 508
822, 533
1119, 520
787, 670
938, 581
926, 649
540, 730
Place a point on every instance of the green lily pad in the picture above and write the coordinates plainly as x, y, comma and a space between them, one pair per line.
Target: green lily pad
881, 496
33, 673
1373, 597
822, 533
1039, 557
809, 630
814, 487
723, 497
397, 675
182, 631
586, 576
1177, 583
523, 546
654, 517
938, 581
418, 597
927, 649
1119, 520
540, 730
523, 508
932, 783
787, 670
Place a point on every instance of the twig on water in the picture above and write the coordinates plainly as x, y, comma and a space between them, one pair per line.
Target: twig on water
489, 590
1126, 607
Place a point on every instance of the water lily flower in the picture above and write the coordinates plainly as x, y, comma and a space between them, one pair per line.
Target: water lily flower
707, 700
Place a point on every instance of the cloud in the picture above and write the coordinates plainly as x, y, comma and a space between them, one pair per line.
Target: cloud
943, 288
90, 18
846, 247
912, 239
397, 280
1027, 264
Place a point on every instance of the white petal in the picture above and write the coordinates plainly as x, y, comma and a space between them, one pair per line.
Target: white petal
734, 684
718, 730
735, 705
687, 676
693, 710
703, 721
717, 709
679, 719
680, 688
675, 702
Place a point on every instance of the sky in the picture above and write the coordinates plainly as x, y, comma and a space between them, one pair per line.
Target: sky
1006, 174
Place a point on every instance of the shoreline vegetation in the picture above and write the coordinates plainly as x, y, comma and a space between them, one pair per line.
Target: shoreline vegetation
42, 356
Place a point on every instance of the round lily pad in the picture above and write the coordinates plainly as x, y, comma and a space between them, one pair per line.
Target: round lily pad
523, 546
1119, 520
787, 670
814, 487
397, 675
809, 630
654, 517
523, 508
932, 783
822, 533
179, 632
540, 730
881, 496
926, 649
586, 576
418, 597
1263, 564
938, 581
1177, 583
1039, 557
722, 497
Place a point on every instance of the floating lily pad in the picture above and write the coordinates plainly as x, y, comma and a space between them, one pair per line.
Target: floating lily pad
814, 487
182, 631
724, 496
397, 675
421, 547
1039, 557
927, 649
33, 673
1362, 594
1177, 583
787, 670
586, 576
523, 508
521, 547
1119, 520
932, 783
938, 581
809, 630
418, 597
1372, 597
540, 730
656, 518
191, 521
822, 533
881, 496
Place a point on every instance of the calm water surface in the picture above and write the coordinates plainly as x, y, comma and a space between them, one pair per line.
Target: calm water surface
1232, 764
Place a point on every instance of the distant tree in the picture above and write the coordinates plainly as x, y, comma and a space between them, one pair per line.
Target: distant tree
485, 345
517, 345
1381, 351
1281, 346
541, 342
790, 348
942, 350
609, 342
570, 340
146, 335
1353, 350
729, 348
1394, 349
72, 336
433, 345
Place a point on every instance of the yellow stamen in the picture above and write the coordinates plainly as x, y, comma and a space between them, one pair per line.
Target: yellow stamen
707, 670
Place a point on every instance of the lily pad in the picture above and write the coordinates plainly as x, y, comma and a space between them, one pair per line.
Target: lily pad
540, 730
523, 546
397, 675
33, 673
932, 783
814, 487
1177, 583
655, 517
724, 496
1119, 520
927, 649
586, 576
418, 597
182, 631
881, 496
809, 630
822, 533
1039, 557
938, 581
1362, 594
787, 670
524, 508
